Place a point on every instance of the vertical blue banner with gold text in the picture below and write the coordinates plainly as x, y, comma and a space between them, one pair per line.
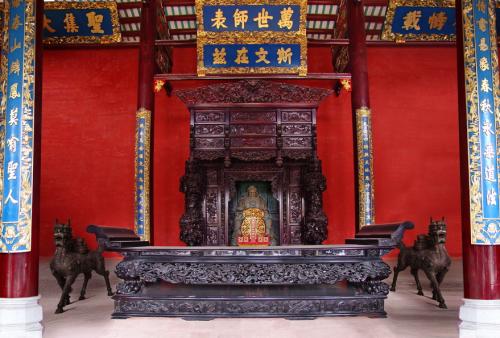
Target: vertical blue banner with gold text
18, 75
142, 172
365, 167
482, 104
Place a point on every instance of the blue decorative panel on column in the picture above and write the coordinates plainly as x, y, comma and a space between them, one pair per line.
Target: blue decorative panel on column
482, 103
142, 171
365, 167
17, 109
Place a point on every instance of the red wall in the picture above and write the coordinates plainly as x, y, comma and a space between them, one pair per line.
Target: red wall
88, 129
88, 141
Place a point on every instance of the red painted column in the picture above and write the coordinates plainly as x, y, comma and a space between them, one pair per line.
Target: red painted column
360, 100
360, 95
144, 124
19, 271
481, 263
145, 94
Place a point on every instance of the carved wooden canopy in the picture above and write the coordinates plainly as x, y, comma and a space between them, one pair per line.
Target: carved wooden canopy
252, 91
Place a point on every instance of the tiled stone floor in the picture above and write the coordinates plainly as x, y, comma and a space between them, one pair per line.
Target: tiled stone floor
409, 315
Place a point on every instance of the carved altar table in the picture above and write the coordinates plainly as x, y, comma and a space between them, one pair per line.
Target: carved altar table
282, 281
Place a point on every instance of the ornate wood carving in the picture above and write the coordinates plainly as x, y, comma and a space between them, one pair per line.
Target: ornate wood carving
247, 308
212, 206
247, 155
252, 129
208, 155
193, 222
209, 143
255, 141
296, 129
296, 154
209, 116
315, 224
252, 91
252, 273
295, 212
209, 130
251, 142
253, 116
296, 116
297, 142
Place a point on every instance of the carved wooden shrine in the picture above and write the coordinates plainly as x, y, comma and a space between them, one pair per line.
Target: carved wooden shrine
253, 165
253, 131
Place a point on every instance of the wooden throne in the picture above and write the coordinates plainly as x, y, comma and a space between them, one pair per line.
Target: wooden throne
253, 131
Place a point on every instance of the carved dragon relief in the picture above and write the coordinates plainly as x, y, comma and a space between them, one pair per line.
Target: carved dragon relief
367, 275
253, 91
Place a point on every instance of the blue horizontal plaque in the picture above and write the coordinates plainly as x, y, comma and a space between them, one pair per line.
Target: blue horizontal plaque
81, 22
424, 20
252, 55
242, 37
251, 18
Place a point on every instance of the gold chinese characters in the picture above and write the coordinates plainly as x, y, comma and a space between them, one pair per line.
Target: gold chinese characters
283, 56
71, 25
411, 21
263, 19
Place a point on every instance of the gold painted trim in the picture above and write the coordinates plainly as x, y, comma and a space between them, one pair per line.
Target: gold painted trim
387, 33
143, 114
360, 114
111, 5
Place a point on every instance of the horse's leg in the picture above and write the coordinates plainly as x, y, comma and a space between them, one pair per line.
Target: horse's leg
435, 286
402, 264
88, 275
397, 269
414, 272
101, 270
67, 288
61, 281
439, 278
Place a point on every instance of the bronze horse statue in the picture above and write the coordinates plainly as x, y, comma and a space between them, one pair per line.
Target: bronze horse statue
72, 257
428, 254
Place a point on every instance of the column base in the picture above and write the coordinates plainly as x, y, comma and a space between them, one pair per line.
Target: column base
480, 318
20, 318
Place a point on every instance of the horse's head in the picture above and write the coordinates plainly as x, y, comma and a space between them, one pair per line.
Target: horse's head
62, 234
437, 231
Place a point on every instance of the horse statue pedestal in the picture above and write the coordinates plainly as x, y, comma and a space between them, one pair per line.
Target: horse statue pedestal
295, 282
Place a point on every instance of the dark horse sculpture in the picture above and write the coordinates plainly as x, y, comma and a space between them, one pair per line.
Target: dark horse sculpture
428, 254
72, 257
